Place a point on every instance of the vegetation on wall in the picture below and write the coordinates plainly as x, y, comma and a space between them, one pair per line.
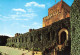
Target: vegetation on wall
75, 27
39, 39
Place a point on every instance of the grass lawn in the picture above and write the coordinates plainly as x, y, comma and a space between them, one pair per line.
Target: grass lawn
12, 51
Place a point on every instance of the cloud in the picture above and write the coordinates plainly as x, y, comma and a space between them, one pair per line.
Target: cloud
18, 13
19, 9
6, 34
29, 15
22, 14
30, 10
25, 26
21, 17
14, 16
24, 17
35, 4
34, 25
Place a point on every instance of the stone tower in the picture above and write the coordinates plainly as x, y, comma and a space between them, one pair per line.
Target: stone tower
57, 12
75, 27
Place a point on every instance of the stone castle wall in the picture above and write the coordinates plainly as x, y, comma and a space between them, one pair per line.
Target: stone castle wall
40, 39
59, 11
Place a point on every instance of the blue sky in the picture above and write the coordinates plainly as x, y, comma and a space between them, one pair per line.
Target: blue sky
18, 16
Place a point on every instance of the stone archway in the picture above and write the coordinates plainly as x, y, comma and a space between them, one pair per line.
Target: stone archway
63, 35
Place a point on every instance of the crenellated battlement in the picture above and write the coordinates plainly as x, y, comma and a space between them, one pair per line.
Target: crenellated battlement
57, 12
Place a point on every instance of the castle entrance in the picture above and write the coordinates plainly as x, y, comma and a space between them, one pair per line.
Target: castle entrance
63, 35
62, 39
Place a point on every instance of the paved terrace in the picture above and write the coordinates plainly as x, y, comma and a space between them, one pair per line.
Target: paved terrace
15, 51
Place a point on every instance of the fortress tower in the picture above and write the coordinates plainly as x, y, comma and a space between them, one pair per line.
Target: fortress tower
57, 12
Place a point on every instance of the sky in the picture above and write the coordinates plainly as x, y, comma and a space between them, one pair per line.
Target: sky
18, 16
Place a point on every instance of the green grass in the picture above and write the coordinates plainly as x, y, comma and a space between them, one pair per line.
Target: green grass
12, 51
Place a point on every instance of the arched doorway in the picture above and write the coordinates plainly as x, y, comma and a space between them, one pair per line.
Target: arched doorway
63, 39
63, 35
